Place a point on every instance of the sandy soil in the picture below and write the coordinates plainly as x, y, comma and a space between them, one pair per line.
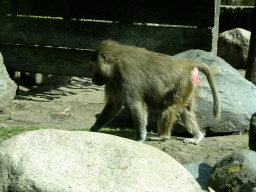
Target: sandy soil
75, 106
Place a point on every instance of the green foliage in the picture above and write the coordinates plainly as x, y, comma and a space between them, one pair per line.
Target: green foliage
246, 146
84, 129
8, 132
165, 148
6, 118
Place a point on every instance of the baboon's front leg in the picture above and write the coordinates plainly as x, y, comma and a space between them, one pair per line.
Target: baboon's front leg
139, 116
108, 113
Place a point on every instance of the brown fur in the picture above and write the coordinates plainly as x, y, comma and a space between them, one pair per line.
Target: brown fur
137, 78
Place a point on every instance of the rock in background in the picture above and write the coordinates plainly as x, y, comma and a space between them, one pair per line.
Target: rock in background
7, 86
235, 172
237, 95
56, 160
233, 47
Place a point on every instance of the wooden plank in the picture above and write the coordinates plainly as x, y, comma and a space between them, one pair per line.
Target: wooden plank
47, 60
87, 35
186, 12
215, 29
74, 62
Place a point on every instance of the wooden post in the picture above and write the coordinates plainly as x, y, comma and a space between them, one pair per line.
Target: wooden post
251, 62
252, 133
215, 29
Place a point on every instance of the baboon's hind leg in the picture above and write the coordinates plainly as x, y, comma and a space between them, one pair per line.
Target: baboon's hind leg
165, 124
189, 119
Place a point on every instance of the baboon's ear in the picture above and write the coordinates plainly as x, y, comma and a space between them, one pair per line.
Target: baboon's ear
104, 56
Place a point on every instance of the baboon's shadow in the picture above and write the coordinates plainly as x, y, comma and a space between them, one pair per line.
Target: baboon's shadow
124, 120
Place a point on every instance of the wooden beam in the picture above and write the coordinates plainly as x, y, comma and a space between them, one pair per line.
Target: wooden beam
87, 35
186, 12
48, 60
250, 74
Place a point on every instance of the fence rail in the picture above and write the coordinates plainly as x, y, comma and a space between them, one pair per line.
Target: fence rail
195, 13
59, 61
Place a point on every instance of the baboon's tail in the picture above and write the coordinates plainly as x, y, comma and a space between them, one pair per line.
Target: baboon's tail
207, 72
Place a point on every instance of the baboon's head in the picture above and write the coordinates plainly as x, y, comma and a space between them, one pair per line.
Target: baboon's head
102, 64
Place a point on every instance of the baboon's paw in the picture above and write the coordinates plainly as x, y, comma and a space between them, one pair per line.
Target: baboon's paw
198, 137
157, 138
194, 141
150, 138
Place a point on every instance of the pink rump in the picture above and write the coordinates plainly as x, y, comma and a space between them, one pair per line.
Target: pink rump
195, 78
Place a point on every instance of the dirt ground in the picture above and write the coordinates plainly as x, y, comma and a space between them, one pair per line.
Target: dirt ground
75, 106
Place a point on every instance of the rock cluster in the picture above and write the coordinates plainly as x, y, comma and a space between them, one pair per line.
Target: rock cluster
7, 86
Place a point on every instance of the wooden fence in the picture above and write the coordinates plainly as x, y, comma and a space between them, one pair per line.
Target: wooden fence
64, 46
235, 17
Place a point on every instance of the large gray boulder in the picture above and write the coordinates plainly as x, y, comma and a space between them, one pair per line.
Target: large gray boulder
64, 161
233, 47
237, 95
7, 86
235, 172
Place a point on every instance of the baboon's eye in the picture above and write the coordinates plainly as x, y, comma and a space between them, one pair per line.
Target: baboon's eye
104, 56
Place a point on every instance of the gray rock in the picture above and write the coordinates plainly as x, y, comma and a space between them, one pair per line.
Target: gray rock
200, 171
237, 95
235, 172
233, 47
7, 86
65, 161
252, 133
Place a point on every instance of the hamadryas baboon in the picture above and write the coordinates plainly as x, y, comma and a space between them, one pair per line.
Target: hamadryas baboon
137, 78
